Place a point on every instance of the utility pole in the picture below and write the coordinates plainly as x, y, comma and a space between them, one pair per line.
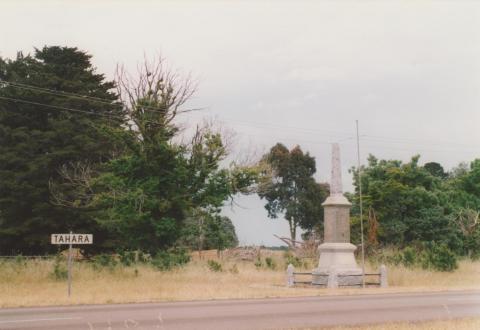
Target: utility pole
359, 176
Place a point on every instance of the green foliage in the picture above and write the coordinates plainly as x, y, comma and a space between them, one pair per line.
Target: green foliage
102, 261
205, 231
117, 171
436, 170
409, 256
146, 196
20, 260
291, 190
36, 141
439, 257
214, 266
166, 260
60, 271
416, 204
127, 258
270, 263
291, 259
258, 263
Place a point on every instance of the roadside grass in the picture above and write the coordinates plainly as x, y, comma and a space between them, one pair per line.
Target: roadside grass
33, 282
457, 324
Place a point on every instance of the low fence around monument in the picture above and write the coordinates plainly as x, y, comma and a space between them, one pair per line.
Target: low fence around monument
381, 275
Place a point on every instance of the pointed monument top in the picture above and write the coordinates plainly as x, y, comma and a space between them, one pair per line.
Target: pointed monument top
336, 193
336, 182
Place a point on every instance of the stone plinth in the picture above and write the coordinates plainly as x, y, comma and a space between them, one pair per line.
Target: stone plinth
337, 257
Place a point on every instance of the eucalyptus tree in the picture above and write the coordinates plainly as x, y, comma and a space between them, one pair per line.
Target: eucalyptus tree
290, 189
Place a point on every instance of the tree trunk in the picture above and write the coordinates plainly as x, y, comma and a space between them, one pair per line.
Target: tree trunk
293, 231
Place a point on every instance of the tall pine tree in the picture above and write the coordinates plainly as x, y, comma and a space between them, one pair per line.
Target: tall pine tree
38, 135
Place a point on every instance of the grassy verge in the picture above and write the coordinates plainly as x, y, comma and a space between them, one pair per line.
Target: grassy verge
458, 324
33, 282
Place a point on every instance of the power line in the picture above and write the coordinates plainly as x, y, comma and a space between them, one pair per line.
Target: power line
110, 116
59, 107
412, 141
83, 97
408, 141
337, 134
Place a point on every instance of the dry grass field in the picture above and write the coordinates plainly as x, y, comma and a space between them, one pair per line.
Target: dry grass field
31, 283
459, 324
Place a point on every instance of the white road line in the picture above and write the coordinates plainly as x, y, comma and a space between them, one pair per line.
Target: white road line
39, 320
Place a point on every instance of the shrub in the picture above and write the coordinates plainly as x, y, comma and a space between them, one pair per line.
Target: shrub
439, 257
166, 260
20, 260
270, 263
127, 258
395, 259
409, 256
291, 259
60, 272
258, 262
104, 260
214, 266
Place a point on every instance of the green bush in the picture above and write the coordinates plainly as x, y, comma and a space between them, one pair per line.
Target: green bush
20, 260
104, 261
60, 271
166, 260
127, 258
258, 263
270, 263
409, 257
439, 257
291, 259
394, 259
214, 266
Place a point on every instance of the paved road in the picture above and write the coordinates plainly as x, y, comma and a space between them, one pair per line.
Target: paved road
280, 313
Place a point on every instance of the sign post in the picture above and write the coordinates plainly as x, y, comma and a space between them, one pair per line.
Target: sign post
71, 239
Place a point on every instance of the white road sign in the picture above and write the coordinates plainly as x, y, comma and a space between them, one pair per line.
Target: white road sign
72, 238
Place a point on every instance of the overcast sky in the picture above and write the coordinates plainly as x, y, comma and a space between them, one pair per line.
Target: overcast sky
293, 72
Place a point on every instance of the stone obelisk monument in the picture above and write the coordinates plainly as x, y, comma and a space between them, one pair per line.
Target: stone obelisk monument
337, 262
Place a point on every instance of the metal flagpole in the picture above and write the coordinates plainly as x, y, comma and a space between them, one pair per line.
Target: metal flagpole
359, 176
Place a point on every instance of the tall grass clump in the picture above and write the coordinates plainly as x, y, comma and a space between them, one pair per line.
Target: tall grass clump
214, 266
103, 261
59, 272
432, 256
166, 260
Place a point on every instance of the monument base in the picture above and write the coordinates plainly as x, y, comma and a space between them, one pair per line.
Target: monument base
337, 259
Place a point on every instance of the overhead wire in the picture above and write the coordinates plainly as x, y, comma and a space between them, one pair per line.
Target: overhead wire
333, 134
110, 116
83, 97
58, 107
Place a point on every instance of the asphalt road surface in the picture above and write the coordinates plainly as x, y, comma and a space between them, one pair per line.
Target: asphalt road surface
276, 313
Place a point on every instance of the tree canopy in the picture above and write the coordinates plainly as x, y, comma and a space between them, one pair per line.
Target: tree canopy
418, 204
291, 189
77, 155
39, 135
